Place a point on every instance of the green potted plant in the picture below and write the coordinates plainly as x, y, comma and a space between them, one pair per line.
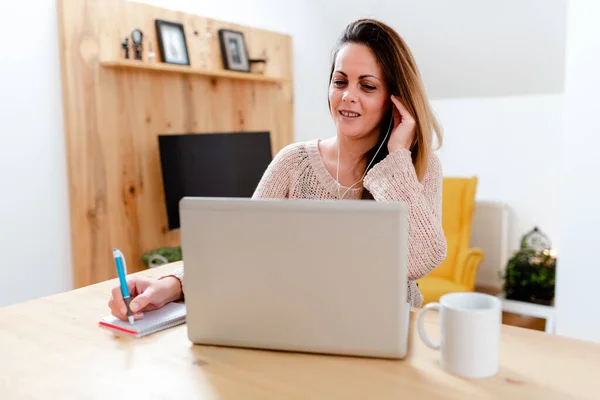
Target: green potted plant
162, 255
530, 274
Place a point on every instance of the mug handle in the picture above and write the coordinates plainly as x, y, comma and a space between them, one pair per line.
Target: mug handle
422, 333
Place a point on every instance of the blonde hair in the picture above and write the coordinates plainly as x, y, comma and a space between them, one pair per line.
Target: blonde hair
403, 80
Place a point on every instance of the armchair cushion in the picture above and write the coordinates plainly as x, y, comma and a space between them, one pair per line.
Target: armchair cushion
457, 272
457, 210
466, 267
433, 287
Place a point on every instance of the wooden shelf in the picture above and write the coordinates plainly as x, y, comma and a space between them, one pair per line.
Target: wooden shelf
181, 69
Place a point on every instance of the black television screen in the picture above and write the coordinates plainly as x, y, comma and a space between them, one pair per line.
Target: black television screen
211, 165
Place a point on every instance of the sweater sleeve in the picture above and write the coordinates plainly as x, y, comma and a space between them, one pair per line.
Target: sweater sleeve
395, 179
276, 180
177, 273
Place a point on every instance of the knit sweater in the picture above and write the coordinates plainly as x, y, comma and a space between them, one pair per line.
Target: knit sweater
298, 172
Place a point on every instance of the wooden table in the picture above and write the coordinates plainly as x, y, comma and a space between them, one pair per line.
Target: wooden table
52, 348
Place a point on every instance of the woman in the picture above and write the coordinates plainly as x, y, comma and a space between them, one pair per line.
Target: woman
382, 150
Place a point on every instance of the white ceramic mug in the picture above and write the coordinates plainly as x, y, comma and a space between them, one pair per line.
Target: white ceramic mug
470, 333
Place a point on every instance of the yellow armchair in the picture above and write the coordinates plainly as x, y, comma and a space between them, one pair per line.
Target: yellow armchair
458, 271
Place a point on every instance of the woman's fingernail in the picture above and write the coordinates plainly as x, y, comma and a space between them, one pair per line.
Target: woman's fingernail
123, 311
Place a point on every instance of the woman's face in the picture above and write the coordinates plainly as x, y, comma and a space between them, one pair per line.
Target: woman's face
358, 95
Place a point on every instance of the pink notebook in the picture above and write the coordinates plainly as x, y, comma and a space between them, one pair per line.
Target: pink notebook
170, 315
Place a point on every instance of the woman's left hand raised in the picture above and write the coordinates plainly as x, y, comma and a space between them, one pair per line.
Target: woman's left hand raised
403, 132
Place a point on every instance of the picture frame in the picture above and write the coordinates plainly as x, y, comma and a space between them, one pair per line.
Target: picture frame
233, 50
171, 42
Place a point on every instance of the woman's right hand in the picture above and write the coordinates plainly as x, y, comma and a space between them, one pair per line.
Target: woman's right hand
146, 294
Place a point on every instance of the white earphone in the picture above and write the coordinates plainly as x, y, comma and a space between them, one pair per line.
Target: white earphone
337, 173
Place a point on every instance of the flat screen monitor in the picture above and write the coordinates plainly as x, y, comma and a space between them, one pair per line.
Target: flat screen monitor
228, 164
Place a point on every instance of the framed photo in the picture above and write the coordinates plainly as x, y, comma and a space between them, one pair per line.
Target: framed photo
171, 42
233, 50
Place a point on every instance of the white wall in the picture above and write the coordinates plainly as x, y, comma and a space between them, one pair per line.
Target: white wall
578, 263
474, 48
513, 145
34, 238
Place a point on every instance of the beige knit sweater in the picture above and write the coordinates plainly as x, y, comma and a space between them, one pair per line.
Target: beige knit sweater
298, 171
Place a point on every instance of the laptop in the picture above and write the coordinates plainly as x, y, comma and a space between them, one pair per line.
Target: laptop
307, 276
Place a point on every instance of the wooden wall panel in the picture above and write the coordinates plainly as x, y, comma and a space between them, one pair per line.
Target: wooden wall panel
113, 117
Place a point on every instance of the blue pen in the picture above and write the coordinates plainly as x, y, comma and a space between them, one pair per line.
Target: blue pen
122, 271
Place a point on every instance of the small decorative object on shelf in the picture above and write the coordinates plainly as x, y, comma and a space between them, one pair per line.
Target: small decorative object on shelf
137, 38
233, 50
151, 54
171, 42
530, 274
258, 65
125, 47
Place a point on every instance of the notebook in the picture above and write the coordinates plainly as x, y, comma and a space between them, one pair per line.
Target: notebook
170, 315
